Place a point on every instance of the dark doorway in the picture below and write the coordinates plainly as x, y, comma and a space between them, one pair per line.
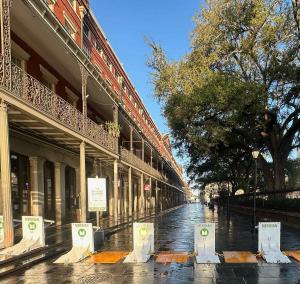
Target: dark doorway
71, 198
49, 191
20, 185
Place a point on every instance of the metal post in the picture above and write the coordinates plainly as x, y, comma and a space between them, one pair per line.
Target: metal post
254, 196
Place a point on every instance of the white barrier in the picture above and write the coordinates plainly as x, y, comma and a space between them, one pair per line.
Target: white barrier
269, 242
82, 243
143, 243
205, 243
33, 236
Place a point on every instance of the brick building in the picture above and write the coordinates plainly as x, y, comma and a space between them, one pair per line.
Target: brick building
68, 111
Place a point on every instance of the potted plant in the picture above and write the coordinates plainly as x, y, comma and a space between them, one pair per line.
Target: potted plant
113, 128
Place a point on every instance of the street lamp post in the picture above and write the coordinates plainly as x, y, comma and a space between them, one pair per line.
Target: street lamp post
255, 155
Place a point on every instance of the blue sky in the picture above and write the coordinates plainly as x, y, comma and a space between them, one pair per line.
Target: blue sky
127, 23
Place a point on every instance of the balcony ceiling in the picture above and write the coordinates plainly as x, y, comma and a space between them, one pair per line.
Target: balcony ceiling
34, 30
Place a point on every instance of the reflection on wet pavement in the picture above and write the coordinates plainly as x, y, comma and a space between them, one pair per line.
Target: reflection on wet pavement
174, 231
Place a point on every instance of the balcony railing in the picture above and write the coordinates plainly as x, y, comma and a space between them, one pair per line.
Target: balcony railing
36, 95
132, 159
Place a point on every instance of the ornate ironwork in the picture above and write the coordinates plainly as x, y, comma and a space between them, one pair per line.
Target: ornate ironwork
38, 96
84, 78
132, 159
5, 65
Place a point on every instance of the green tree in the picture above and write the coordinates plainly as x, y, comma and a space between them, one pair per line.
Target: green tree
239, 87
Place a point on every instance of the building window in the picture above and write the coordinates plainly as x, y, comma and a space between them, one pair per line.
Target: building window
48, 79
71, 29
87, 51
72, 98
73, 4
98, 47
86, 31
99, 69
19, 56
108, 82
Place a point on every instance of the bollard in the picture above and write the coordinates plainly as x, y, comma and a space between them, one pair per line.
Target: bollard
98, 238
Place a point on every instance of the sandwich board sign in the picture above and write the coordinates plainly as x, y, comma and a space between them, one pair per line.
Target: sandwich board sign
97, 194
33, 229
143, 242
83, 236
205, 243
269, 242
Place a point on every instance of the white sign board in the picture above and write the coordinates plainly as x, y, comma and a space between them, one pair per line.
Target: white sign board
33, 229
83, 236
1, 232
143, 243
97, 194
269, 242
204, 244
143, 236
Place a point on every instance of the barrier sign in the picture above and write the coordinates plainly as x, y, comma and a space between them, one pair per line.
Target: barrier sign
33, 229
82, 241
269, 242
97, 194
143, 236
143, 242
205, 243
1, 232
33, 236
83, 235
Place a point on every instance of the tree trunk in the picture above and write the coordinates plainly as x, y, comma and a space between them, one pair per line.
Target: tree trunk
279, 174
267, 172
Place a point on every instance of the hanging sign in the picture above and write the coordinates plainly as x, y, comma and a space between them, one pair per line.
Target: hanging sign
97, 194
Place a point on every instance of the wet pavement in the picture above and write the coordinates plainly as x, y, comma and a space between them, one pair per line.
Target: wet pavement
174, 231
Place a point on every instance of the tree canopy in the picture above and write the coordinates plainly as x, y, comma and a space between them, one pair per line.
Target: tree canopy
236, 90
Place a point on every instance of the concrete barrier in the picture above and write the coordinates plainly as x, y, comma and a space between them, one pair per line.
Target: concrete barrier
204, 245
143, 243
33, 236
269, 242
82, 243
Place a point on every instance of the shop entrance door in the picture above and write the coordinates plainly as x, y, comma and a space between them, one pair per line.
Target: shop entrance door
71, 198
49, 191
20, 185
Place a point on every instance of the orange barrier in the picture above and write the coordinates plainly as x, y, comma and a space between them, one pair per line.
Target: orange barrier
108, 257
293, 254
239, 257
169, 256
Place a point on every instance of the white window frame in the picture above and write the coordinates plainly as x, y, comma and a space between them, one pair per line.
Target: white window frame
47, 75
51, 4
73, 4
21, 54
72, 96
70, 23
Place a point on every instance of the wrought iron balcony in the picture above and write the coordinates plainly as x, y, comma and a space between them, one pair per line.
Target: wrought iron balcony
133, 160
33, 93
